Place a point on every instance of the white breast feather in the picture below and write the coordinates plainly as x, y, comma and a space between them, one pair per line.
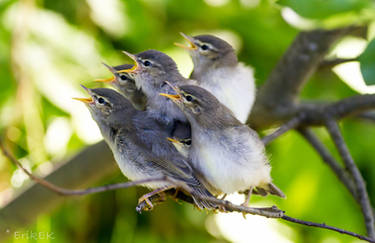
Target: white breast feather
233, 87
129, 169
229, 170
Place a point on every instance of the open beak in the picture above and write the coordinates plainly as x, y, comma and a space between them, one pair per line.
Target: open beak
172, 140
190, 40
133, 69
107, 80
85, 100
174, 98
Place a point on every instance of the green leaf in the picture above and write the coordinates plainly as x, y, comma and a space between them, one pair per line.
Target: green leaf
319, 9
367, 63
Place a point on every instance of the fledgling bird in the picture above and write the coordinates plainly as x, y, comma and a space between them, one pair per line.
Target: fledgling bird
151, 71
181, 145
125, 84
226, 152
217, 69
139, 146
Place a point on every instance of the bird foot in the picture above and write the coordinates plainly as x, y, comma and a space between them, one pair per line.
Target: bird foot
146, 199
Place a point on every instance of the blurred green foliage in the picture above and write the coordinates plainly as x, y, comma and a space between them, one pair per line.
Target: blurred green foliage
49, 47
367, 63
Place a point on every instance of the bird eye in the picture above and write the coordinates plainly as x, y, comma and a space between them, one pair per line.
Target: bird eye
123, 77
204, 47
147, 63
189, 98
101, 100
188, 142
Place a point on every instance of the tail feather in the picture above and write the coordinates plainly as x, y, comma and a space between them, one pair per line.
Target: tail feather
200, 191
274, 190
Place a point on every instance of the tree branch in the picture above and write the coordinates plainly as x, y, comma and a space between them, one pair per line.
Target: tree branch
276, 99
318, 114
323, 225
80, 192
92, 164
291, 124
363, 197
341, 173
330, 63
223, 205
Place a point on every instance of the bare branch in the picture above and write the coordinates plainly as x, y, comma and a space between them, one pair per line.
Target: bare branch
330, 63
363, 197
291, 124
277, 98
318, 114
87, 167
340, 172
223, 205
323, 225
369, 116
69, 192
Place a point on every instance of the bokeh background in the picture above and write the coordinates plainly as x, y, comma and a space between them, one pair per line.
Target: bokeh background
49, 47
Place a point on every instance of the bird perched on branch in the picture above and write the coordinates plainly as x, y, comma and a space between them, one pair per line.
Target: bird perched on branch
139, 146
125, 84
151, 71
229, 154
217, 69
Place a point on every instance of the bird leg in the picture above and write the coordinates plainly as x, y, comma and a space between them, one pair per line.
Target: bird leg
150, 194
247, 197
247, 200
224, 196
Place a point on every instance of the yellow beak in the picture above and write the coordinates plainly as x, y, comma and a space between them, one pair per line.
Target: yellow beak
106, 80
85, 100
172, 140
133, 69
175, 97
190, 40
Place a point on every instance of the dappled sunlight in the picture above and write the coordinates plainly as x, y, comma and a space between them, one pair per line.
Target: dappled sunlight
109, 15
48, 48
350, 72
295, 20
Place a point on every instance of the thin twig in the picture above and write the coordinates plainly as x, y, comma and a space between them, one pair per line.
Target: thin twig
363, 197
70, 192
370, 116
329, 63
226, 206
323, 225
340, 172
292, 123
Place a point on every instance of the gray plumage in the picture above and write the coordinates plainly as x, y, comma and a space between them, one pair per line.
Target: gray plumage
217, 69
139, 143
229, 154
154, 68
125, 84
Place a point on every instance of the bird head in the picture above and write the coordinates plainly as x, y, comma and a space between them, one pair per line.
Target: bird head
106, 105
182, 145
209, 51
151, 69
122, 81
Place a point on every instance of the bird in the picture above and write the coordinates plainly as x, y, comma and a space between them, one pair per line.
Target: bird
181, 145
152, 71
139, 146
125, 84
228, 154
216, 68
